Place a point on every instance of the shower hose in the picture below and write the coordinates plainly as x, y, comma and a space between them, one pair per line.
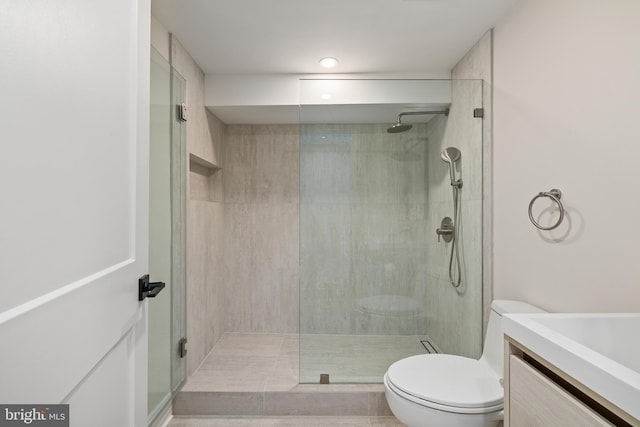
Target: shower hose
454, 244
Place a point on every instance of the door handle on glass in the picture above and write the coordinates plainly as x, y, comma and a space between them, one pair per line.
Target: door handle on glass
148, 289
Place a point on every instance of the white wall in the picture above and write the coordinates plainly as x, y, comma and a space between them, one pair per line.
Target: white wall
567, 114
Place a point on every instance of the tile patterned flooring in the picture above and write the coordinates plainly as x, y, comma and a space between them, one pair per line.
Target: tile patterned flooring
271, 362
352, 359
248, 362
287, 422
253, 380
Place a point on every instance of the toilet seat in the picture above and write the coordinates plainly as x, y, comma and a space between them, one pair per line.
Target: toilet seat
448, 383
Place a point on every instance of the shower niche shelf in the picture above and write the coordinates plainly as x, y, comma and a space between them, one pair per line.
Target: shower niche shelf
201, 166
205, 180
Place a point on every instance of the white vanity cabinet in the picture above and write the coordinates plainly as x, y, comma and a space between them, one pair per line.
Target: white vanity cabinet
537, 394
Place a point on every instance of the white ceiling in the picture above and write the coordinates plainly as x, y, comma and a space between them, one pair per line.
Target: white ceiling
394, 37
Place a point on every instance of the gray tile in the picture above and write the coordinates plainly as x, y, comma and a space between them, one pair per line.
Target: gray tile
242, 364
260, 174
285, 375
321, 403
347, 358
378, 405
216, 403
281, 383
220, 381
286, 422
386, 422
248, 345
324, 422
221, 422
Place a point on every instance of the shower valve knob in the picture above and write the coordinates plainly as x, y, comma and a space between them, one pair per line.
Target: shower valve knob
445, 230
440, 232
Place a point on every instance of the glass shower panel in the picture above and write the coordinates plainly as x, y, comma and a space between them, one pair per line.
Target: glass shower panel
178, 229
370, 259
363, 249
166, 234
159, 232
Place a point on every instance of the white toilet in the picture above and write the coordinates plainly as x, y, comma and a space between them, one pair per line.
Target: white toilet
443, 390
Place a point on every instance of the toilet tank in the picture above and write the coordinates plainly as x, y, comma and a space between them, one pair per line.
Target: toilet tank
493, 350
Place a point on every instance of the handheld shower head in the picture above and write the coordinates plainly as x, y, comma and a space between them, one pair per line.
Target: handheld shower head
451, 155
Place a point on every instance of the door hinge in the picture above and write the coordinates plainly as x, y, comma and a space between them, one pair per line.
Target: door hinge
182, 112
182, 347
478, 112
148, 289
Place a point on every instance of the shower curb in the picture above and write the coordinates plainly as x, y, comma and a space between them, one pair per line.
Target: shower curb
302, 400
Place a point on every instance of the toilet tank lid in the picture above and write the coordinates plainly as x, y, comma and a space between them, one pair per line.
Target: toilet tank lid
502, 306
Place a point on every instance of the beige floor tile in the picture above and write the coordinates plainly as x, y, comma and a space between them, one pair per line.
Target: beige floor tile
294, 403
267, 367
386, 422
241, 344
353, 358
287, 422
240, 363
244, 360
228, 404
221, 382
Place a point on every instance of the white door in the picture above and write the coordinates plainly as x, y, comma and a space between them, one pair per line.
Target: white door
73, 206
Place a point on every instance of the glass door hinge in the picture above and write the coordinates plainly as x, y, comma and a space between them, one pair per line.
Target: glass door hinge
182, 347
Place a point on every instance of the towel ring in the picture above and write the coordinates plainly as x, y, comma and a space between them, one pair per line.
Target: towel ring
555, 195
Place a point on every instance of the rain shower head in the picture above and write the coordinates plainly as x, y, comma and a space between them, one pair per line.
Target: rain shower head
399, 127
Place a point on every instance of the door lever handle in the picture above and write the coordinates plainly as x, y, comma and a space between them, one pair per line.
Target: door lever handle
148, 289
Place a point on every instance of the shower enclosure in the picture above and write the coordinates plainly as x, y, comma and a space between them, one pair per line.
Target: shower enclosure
167, 196
374, 275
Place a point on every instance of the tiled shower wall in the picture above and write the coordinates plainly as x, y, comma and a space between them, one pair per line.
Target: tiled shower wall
455, 321
371, 218
363, 222
455, 315
478, 64
242, 220
261, 236
205, 218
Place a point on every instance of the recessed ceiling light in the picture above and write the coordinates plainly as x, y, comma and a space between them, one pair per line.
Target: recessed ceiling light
328, 62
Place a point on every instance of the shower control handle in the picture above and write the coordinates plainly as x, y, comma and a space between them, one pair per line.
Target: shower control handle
445, 230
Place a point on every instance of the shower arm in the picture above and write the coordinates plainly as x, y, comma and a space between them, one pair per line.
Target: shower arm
415, 113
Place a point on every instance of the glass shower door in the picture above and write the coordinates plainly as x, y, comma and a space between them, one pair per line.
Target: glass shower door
374, 275
166, 235
363, 249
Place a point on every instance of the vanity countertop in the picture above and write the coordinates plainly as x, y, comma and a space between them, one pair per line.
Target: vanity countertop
601, 351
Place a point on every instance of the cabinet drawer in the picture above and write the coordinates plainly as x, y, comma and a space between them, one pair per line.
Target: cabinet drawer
537, 401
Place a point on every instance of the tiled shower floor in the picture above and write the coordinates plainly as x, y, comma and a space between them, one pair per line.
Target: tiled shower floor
248, 362
353, 359
253, 380
270, 362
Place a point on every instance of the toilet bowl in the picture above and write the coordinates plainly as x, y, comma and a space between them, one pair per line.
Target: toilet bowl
444, 390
